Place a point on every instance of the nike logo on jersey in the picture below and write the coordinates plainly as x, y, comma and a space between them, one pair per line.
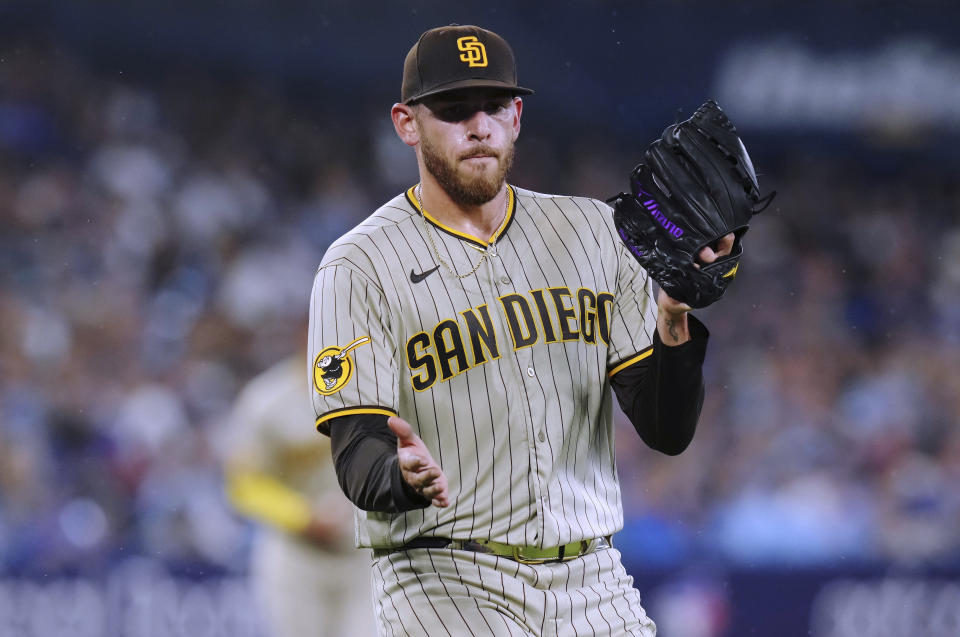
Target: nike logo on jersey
416, 278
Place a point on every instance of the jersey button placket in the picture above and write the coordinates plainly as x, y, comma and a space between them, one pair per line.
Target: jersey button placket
500, 278
497, 273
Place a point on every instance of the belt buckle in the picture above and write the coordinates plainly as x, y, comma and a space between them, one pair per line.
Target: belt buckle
518, 557
584, 549
562, 555
585, 546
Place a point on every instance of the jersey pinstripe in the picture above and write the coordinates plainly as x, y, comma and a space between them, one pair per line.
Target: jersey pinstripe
504, 374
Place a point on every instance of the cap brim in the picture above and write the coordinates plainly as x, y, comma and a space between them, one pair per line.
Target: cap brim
476, 83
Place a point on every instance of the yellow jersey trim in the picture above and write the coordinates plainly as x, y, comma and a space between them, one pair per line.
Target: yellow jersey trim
352, 411
511, 207
630, 361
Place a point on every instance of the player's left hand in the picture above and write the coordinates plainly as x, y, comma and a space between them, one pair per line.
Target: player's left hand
671, 313
671, 306
695, 183
418, 467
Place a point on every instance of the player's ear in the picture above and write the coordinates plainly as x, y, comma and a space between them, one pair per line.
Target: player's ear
518, 103
405, 123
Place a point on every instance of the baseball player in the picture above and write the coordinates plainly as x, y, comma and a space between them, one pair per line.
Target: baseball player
486, 325
306, 573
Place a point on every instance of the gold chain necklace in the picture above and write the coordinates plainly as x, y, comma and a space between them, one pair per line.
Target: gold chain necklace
426, 226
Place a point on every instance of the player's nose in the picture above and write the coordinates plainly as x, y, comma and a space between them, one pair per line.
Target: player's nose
480, 125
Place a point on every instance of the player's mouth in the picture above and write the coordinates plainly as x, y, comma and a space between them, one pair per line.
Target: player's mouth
483, 162
483, 153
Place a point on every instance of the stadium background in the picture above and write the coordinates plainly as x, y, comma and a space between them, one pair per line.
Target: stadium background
171, 172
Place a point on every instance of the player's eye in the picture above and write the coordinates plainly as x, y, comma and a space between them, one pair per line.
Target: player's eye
465, 110
455, 113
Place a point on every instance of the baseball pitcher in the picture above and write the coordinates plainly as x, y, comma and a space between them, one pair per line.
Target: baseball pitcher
479, 329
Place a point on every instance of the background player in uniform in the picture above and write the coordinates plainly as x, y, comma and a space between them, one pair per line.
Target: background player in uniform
473, 425
306, 573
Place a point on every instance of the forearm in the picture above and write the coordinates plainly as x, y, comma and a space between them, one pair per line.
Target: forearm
365, 457
662, 394
267, 500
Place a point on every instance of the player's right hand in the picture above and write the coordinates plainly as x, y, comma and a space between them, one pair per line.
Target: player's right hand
417, 466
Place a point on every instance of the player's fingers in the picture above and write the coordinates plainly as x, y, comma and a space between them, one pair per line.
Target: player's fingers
402, 429
432, 485
433, 477
725, 245
442, 499
425, 477
707, 255
419, 473
438, 493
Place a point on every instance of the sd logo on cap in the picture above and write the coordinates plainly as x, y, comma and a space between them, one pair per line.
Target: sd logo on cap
454, 57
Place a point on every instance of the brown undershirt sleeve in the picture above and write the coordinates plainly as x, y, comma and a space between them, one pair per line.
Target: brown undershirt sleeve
662, 394
365, 457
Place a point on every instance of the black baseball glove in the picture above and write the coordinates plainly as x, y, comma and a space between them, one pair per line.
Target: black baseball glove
695, 185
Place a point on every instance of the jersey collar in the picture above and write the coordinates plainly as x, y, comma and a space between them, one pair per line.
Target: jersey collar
511, 208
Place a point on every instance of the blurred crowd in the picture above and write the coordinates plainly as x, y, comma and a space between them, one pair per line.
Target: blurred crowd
159, 238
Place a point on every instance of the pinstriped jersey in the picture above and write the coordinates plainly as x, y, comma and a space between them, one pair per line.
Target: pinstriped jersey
504, 373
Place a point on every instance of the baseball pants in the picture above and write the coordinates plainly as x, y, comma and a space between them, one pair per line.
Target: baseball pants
306, 592
436, 592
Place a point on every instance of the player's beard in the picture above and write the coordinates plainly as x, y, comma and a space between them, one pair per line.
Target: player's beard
467, 187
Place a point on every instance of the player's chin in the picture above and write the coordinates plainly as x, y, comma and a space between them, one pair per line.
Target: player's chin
477, 169
483, 185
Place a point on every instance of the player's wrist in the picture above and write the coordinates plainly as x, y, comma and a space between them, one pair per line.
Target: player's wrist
673, 327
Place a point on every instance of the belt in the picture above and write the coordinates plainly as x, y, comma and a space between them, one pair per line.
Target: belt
522, 554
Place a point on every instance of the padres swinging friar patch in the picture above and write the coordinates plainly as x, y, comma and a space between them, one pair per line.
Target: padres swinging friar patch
333, 367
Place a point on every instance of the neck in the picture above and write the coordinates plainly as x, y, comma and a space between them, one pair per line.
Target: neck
479, 221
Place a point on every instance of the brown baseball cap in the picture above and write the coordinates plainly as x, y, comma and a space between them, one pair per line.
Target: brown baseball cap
455, 56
